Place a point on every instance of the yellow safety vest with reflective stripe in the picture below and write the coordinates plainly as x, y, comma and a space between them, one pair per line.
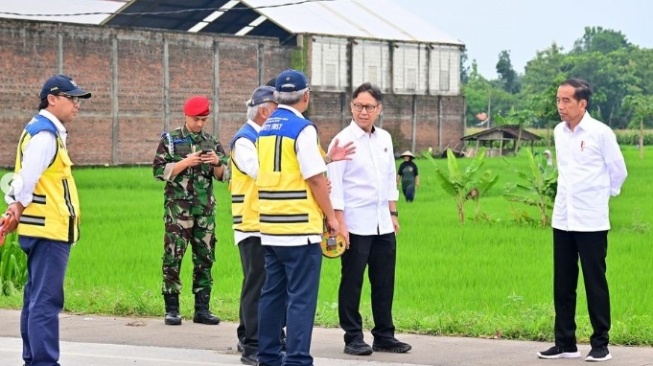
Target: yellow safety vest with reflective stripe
244, 194
286, 203
54, 211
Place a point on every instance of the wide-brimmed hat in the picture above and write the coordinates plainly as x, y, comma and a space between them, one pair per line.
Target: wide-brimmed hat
407, 153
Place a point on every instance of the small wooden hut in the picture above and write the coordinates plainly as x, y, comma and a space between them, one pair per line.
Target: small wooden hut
499, 140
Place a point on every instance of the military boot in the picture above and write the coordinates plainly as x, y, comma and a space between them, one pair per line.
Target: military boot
172, 309
202, 313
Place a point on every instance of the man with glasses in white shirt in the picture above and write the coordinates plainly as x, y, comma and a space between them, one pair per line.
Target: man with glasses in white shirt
591, 168
364, 194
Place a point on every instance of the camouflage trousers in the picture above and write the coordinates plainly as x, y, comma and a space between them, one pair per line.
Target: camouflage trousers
182, 228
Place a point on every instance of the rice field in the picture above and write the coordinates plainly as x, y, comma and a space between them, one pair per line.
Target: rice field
490, 277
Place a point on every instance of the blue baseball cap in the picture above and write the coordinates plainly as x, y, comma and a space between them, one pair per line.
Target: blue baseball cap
261, 95
62, 84
290, 81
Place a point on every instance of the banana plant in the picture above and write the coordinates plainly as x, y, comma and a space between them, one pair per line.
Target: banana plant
538, 187
464, 185
13, 266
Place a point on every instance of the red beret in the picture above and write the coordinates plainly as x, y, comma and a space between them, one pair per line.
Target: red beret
197, 106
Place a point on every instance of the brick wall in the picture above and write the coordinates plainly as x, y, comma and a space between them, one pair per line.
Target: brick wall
141, 78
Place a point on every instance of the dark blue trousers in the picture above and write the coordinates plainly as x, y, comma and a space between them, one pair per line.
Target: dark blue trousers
592, 249
292, 277
43, 299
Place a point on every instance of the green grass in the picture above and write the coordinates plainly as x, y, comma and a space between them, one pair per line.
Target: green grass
486, 278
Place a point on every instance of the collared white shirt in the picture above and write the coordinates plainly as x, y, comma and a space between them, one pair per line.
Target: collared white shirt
246, 158
310, 164
363, 186
591, 168
37, 156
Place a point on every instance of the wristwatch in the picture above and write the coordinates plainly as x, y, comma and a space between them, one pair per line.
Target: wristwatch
394, 213
327, 159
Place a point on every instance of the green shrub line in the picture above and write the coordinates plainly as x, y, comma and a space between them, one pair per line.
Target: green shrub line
490, 277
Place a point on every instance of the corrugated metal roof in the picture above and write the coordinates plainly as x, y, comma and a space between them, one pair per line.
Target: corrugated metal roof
69, 11
371, 19
375, 19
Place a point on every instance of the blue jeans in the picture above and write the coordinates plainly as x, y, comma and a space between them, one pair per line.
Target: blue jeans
43, 299
292, 277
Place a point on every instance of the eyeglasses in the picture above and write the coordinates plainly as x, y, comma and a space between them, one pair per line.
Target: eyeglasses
368, 107
72, 98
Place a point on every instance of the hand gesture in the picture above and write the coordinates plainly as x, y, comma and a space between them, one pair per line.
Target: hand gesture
338, 152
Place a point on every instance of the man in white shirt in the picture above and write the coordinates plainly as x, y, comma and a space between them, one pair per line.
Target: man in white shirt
364, 194
591, 168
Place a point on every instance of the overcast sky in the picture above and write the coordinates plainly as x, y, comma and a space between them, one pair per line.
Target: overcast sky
485, 26
525, 26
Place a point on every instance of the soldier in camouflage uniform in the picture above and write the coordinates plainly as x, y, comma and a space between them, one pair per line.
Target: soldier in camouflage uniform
188, 160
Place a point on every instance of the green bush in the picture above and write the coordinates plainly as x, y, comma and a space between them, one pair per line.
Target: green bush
13, 266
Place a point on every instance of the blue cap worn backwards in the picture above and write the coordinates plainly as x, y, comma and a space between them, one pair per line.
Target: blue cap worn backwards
62, 84
290, 81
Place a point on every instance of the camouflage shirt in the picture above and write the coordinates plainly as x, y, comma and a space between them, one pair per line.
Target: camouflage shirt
192, 188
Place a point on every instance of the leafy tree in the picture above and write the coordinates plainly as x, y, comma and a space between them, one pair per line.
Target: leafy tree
540, 71
640, 61
597, 39
481, 93
642, 109
615, 68
507, 75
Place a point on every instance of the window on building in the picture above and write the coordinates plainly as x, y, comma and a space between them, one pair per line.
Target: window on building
371, 58
330, 75
373, 75
329, 63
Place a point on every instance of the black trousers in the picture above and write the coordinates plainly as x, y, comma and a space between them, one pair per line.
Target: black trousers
252, 258
379, 254
591, 248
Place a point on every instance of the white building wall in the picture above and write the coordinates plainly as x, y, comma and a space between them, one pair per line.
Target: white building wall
418, 68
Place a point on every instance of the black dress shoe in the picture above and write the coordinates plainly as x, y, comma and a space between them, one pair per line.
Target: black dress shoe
358, 348
240, 347
391, 345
